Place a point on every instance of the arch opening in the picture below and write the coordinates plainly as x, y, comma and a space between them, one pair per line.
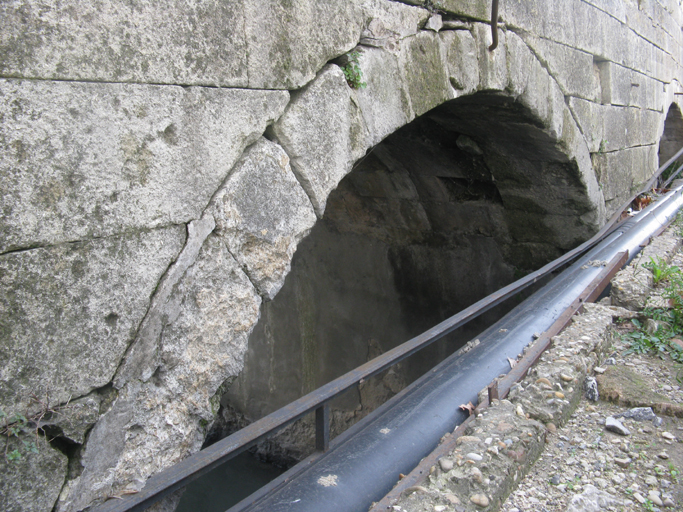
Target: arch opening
672, 136
449, 208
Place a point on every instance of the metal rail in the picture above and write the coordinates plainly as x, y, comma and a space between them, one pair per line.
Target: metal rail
202, 462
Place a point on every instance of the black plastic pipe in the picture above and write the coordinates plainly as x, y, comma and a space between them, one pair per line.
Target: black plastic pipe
364, 463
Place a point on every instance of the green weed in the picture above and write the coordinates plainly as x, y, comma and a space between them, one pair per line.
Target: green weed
352, 71
661, 270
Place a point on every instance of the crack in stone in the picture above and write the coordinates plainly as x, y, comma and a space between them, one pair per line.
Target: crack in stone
160, 84
140, 354
120, 234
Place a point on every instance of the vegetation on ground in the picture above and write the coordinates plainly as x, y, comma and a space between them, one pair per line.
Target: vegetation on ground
668, 321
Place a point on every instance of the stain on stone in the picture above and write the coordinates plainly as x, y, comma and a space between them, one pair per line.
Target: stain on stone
170, 135
111, 319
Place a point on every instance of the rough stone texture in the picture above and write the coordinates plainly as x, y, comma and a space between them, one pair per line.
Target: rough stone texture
90, 160
389, 22
621, 173
323, 134
593, 499
159, 419
422, 63
73, 310
611, 128
625, 387
213, 43
47, 469
573, 70
262, 213
504, 445
632, 285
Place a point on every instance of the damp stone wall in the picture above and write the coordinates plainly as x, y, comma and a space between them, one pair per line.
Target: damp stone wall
161, 161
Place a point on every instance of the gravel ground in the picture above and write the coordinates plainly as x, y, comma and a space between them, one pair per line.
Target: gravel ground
635, 471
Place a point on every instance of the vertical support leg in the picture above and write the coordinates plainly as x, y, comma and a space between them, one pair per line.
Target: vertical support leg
322, 428
493, 391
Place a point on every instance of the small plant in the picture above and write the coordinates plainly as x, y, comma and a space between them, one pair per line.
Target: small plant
16, 426
661, 270
603, 147
352, 71
649, 506
673, 472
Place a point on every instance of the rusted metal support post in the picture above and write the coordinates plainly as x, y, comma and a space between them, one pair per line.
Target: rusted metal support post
322, 428
493, 391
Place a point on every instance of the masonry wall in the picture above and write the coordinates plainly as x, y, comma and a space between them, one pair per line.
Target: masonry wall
161, 161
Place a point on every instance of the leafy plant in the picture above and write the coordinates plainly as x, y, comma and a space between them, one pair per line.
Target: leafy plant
16, 426
352, 71
661, 270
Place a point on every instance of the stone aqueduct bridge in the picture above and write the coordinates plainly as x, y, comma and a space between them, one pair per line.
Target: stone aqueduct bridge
161, 161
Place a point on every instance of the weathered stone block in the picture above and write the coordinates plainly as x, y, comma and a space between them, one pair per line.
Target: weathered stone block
68, 312
384, 103
493, 68
624, 87
621, 172
211, 43
610, 128
262, 213
323, 133
572, 69
90, 160
32, 483
462, 59
389, 22
156, 423
422, 62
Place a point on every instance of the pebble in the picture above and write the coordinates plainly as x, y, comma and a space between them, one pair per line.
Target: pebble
663, 455
637, 496
668, 502
474, 456
440, 508
638, 414
556, 479
624, 463
616, 426
653, 496
669, 436
480, 500
446, 464
651, 480
598, 369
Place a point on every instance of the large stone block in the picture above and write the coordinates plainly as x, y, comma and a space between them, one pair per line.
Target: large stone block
207, 43
422, 63
462, 57
262, 213
493, 66
156, 423
33, 482
572, 69
323, 133
624, 87
611, 128
621, 172
384, 103
68, 312
90, 160
388, 22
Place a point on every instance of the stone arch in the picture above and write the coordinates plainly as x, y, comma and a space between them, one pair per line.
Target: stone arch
451, 165
672, 136
241, 249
